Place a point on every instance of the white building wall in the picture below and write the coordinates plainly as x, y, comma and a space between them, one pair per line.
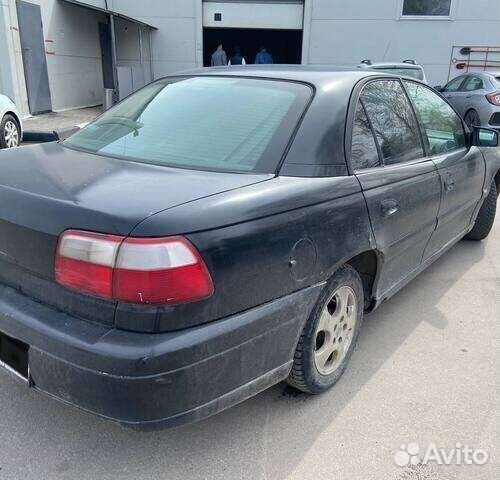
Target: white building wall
72, 51
11, 63
177, 42
338, 32
346, 32
73, 54
5, 67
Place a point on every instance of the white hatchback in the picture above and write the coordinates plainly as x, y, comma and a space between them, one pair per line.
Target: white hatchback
10, 123
406, 68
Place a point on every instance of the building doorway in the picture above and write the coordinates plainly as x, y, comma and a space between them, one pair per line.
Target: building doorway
250, 24
284, 45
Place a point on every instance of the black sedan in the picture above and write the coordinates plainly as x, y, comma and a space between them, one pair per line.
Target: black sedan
220, 231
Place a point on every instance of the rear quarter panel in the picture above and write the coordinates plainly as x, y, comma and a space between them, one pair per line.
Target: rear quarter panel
260, 243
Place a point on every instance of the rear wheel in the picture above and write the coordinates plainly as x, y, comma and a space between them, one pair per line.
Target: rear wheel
10, 133
329, 337
472, 119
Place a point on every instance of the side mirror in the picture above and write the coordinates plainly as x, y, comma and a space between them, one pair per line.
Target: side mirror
439, 88
484, 137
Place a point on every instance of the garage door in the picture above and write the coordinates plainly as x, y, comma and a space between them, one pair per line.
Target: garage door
279, 14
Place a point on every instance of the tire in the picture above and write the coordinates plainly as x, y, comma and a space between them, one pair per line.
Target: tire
10, 133
342, 288
472, 118
486, 216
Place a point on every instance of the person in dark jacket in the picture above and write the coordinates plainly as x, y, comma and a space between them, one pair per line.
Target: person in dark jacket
219, 57
264, 57
237, 58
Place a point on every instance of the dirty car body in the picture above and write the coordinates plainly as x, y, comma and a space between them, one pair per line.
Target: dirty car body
269, 234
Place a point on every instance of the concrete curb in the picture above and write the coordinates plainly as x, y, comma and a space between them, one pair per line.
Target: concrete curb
35, 136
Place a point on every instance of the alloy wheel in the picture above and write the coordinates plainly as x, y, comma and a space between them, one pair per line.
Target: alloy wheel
335, 330
11, 134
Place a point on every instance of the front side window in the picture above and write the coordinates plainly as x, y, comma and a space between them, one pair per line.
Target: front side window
472, 84
442, 125
427, 8
454, 85
393, 121
210, 123
364, 153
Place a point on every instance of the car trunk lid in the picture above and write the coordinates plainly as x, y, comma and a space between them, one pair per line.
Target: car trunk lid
46, 189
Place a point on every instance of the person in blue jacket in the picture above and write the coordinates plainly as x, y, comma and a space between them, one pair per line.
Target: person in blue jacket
264, 57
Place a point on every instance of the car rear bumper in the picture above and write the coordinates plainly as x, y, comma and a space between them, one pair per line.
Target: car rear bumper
489, 115
156, 380
494, 119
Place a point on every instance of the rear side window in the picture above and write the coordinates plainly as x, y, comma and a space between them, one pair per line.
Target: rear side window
210, 123
364, 152
443, 127
393, 121
473, 83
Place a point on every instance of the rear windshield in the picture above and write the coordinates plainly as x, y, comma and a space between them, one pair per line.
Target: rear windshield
211, 123
404, 72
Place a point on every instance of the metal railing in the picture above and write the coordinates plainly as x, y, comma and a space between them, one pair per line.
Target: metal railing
468, 58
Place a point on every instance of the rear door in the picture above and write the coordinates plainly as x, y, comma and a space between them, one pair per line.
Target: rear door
401, 186
453, 93
475, 90
461, 169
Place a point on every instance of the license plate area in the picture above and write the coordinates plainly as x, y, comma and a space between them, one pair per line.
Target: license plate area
14, 356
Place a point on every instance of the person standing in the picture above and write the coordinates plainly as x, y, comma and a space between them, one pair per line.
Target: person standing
264, 57
237, 58
219, 57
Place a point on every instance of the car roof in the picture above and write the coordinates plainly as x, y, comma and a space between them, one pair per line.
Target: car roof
394, 65
492, 73
316, 75
479, 73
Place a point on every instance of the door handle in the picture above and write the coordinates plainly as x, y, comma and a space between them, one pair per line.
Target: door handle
389, 207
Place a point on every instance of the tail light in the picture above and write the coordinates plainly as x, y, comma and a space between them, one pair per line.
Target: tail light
157, 271
494, 98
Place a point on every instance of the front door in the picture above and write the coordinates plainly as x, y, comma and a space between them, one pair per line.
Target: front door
461, 169
35, 64
401, 186
453, 93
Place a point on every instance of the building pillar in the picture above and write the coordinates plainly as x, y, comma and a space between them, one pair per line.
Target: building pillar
199, 33
306, 30
12, 77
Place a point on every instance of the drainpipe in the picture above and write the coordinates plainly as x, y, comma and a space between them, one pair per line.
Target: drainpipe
113, 57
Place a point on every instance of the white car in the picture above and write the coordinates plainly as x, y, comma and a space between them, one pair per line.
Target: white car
406, 68
10, 123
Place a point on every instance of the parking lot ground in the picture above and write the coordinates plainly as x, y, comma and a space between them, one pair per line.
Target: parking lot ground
426, 371
48, 122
